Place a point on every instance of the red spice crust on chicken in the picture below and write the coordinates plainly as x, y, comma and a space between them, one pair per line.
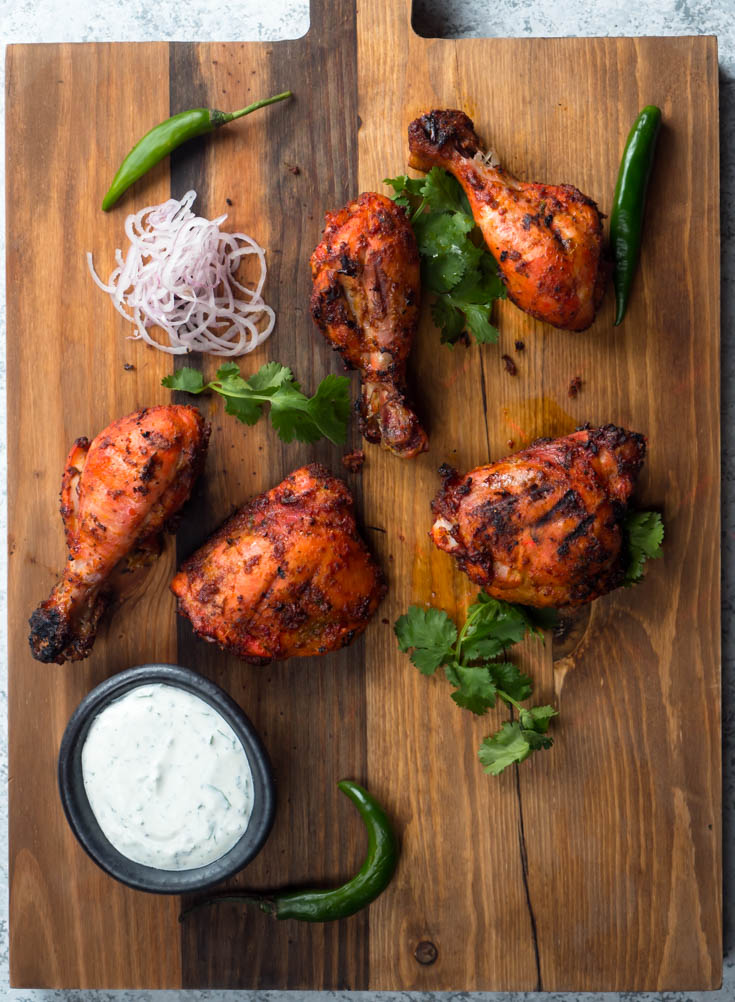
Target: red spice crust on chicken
547, 239
286, 576
117, 494
544, 527
365, 302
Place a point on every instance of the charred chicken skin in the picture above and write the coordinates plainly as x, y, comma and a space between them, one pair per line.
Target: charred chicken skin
543, 527
365, 302
546, 239
287, 575
117, 493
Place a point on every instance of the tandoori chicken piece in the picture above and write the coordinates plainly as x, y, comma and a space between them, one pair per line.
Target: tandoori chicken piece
286, 576
365, 302
546, 239
544, 527
116, 496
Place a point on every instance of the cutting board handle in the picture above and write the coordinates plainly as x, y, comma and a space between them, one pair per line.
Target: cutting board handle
394, 15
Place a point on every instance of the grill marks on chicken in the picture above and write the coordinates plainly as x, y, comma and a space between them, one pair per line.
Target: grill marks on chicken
117, 494
543, 527
547, 239
287, 575
365, 302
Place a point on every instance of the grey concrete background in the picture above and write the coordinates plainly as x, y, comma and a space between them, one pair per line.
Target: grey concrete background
118, 20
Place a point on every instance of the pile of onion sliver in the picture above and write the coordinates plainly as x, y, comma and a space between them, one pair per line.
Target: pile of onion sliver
179, 276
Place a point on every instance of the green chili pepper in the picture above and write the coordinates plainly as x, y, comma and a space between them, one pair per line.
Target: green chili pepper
338, 902
163, 138
626, 218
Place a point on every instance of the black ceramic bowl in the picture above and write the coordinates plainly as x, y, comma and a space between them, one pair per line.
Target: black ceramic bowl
84, 824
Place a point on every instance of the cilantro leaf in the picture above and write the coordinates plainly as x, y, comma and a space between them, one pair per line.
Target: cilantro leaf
293, 415
476, 690
644, 532
492, 625
444, 193
232, 369
472, 299
440, 273
431, 634
482, 283
451, 673
482, 642
516, 740
537, 718
290, 415
243, 408
269, 377
443, 233
537, 741
506, 746
478, 322
331, 407
404, 187
187, 380
325, 415
448, 319
403, 184
475, 295
511, 681
237, 393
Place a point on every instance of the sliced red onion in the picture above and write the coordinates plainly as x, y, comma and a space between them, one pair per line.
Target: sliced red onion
179, 276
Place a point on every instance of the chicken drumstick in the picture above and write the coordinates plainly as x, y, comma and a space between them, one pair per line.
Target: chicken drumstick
547, 239
365, 302
116, 494
543, 527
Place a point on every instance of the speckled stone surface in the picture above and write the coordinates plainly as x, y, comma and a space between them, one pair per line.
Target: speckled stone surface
119, 20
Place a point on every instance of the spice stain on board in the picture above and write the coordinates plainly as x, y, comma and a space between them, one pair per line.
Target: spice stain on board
536, 417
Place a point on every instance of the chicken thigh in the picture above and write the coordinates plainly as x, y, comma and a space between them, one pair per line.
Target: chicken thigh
544, 527
116, 495
546, 239
365, 302
287, 575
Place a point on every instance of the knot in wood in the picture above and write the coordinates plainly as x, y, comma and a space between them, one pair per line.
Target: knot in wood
426, 952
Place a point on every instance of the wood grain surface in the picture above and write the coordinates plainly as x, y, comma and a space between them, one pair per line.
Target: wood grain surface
600, 862
595, 866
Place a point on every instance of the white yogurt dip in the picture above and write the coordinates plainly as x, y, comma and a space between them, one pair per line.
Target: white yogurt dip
167, 778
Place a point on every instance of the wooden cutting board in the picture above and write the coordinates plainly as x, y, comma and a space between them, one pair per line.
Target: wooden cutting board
595, 866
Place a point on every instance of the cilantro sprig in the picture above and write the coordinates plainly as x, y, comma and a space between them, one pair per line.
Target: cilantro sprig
454, 263
292, 414
644, 531
469, 658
